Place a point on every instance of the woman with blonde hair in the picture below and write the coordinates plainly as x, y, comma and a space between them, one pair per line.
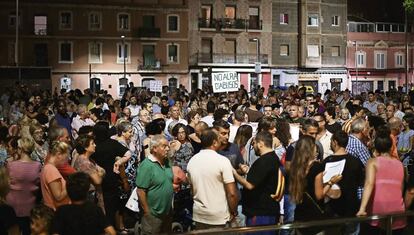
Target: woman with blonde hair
52, 183
24, 183
306, 186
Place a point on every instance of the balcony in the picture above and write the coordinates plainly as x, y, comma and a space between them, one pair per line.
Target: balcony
227, 24
206, 23
149, 32
154, 65
231, 58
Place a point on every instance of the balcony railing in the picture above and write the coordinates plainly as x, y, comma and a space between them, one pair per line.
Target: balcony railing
227, 23
231, 58
155, 65
149, 32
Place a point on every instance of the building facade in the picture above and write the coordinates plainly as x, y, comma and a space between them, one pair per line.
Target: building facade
230, 36
377, 56
95, 44
309, 44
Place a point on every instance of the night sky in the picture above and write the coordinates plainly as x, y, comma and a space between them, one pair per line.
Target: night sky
377, 10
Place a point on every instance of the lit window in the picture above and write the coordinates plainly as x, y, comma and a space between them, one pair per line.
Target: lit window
380, 60
40, 25
335, 20
123, 52
335, 51
399, 60
95, 52
284, 18
173, 53
284, 50
313, 20
313, 51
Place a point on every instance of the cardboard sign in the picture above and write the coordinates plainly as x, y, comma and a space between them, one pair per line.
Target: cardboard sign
155, 86
225, 82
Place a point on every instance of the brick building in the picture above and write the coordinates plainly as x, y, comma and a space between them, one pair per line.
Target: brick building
309, 43
83, 43
230, 36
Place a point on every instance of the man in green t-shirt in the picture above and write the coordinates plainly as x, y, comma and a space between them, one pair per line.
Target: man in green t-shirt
155, 188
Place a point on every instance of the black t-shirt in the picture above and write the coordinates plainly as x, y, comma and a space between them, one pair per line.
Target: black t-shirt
352, 177
264, 175
7, 218
305, 210
85, 218
334, 127
104, 156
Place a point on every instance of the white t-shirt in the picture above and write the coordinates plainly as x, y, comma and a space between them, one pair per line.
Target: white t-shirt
208, 120
208, 172
233, 132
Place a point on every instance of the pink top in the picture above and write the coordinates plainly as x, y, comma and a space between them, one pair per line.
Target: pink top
24, 183
49, 174
387, 194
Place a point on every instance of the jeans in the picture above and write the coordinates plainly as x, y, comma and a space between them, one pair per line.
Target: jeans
289, 216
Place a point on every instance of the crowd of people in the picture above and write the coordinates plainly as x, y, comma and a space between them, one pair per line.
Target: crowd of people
71, 160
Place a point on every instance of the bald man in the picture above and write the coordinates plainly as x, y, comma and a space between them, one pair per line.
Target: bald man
394, 124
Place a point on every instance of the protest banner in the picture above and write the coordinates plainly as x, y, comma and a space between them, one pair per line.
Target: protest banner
155, 86
225, 82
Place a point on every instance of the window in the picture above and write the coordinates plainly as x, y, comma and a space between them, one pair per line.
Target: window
284, 18
95, 21
313, 20
65, 22
230, 12
123, 52
335, 51
284, 50
172, 84
313, 51
123, 21
40, 25
172, 53
12, 20
335, 20
380, 60
254, 18
65, 52
122, 86
95, 52
399, 60
173, 23
360, 59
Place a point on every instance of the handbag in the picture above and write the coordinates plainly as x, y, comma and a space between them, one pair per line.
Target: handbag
318, 211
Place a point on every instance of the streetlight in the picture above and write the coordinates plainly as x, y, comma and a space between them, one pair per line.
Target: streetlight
123, 54
16, 44
356, 67
257, 66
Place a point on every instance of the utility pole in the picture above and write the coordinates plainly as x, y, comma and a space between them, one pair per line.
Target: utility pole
123, 55
16, 44
406, 51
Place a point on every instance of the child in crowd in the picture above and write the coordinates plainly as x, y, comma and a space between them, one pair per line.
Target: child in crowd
40, 219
